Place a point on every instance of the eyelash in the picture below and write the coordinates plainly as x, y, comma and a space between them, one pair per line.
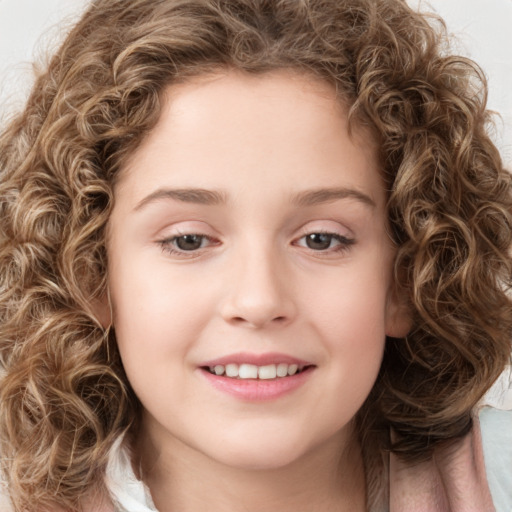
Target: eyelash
168, 244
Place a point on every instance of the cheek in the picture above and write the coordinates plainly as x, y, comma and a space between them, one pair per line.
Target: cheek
151, 295
352, 305
157, 317
349, 318
155, 325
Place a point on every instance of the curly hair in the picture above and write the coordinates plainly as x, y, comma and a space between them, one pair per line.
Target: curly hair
64, 397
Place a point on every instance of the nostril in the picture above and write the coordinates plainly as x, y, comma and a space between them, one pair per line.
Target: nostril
257, 321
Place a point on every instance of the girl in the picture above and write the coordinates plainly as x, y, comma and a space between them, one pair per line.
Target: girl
254, 256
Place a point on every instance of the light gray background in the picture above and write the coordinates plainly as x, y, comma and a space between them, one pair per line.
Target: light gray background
31, 29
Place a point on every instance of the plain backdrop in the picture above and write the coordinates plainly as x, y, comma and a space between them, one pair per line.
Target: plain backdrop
482, 30
30, 29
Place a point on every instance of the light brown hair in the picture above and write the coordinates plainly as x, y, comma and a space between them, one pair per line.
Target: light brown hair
64, 398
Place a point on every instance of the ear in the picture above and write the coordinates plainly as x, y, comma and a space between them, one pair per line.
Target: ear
398, 314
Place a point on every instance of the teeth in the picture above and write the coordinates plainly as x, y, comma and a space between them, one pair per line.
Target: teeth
248, 371
282, 370
251, 371
267, 372
292, 369
232, 370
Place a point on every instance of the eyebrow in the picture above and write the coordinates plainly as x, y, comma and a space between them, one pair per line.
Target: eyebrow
214, 197
326, 195
185, 195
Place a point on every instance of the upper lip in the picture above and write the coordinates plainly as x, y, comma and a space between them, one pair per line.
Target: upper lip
256, 359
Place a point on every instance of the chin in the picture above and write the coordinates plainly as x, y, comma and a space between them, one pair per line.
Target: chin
259, 458
258, 451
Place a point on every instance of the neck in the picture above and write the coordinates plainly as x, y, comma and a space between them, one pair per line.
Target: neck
331, 477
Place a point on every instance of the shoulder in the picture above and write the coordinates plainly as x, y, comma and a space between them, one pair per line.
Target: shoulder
496, 431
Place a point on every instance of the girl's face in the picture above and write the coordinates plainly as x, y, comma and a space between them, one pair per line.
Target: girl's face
249, 238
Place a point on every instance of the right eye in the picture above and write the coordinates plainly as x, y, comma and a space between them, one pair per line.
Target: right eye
187, 243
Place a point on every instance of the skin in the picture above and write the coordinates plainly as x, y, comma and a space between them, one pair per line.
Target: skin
264, 145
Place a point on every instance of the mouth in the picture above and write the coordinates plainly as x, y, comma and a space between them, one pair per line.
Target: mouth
246, 371
257, 377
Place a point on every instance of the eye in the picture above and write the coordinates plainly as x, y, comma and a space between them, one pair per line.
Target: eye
189, 242
186, 243
325, 241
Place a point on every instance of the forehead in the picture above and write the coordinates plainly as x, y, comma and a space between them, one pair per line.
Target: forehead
237, 88
233, 129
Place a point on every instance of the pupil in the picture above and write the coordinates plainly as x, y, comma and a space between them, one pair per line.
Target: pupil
318, 241
189, 242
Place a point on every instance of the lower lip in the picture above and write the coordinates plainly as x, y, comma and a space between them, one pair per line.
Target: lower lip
256, 390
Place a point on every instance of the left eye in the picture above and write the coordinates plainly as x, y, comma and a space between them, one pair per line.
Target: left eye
323, 241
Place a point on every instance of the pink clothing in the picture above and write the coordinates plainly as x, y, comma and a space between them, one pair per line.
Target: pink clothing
453, 481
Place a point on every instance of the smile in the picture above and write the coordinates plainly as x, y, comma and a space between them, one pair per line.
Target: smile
252, 371
257, 378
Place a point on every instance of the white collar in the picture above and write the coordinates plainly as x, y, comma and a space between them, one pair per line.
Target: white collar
127, 491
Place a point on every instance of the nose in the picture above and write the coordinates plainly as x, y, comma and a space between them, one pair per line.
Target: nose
258, 293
